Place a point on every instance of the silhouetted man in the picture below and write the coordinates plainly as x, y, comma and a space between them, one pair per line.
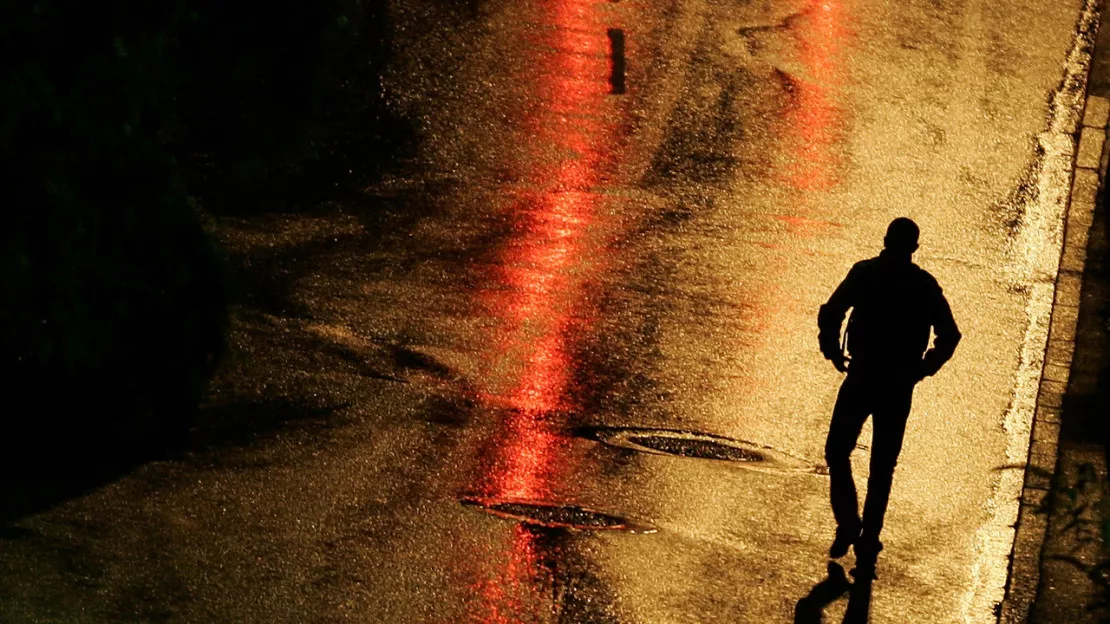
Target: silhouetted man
894, 305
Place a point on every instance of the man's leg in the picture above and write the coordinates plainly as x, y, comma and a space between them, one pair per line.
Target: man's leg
847, 420
892, 409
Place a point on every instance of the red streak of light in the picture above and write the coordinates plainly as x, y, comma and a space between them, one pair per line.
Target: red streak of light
572, 72
499, 595
814, 117
525, 460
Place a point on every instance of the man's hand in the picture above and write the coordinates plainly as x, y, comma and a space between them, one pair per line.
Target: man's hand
840, 361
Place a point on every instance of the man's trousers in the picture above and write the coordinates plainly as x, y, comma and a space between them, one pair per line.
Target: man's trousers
886, 397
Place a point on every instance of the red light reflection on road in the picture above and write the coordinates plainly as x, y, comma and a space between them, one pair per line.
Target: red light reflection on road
813, 120
538, 287
811, 131
538, 299
501, 597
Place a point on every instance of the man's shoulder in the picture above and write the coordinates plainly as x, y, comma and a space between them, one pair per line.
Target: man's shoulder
875, 267
926, 278
865, 265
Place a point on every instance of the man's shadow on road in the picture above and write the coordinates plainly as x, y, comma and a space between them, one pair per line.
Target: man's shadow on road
811, 608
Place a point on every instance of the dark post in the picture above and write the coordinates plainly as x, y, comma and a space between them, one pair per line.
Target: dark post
616, 59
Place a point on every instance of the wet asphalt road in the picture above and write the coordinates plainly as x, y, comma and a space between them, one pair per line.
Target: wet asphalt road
565, 256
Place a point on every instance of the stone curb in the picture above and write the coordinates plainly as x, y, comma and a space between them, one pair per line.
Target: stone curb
1091, 158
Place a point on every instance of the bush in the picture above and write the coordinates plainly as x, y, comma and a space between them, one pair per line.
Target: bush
115, 116
281, 102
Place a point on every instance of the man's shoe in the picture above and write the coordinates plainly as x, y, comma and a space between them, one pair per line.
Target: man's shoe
844, 539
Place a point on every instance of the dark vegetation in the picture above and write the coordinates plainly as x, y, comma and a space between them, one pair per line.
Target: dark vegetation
125, 125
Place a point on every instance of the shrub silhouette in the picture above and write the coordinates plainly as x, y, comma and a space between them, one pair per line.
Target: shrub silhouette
117, 118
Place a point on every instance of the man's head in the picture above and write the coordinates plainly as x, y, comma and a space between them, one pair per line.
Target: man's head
901, 236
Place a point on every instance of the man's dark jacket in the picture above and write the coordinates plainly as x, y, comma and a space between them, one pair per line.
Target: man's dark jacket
894, 304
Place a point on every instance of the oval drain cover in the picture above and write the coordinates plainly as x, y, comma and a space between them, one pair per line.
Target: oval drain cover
697, 447
702, 446
556, 516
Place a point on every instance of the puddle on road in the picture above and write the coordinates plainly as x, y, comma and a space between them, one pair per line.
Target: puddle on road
556, 516
701, 446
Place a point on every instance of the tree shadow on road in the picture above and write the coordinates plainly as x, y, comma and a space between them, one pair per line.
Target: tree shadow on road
32, 485
811, 608
240, 423
49, 471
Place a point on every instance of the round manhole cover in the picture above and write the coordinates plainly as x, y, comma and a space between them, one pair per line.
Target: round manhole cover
702, 446
553, 515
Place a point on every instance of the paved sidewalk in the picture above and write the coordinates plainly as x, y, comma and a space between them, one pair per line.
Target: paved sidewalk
1059, 557
1069, 589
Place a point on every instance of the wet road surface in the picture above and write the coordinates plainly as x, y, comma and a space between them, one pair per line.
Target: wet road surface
589, 241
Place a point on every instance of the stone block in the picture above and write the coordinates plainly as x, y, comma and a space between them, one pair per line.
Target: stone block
1060, 352
1068, 288
1076, 236
1097, 112
1089, 153
1051, 394
1055, 372
1084, 186
1066, 311
1034, 499
1046, 436
1081, 214
1074, 258
1048, 414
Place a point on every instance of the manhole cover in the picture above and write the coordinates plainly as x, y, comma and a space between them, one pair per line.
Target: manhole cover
553, 515
697, 447
702, 446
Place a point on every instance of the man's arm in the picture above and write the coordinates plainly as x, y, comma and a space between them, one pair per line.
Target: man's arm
947, 337
831, 316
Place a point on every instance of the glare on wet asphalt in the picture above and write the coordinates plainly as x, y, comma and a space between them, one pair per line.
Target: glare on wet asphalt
589, 302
